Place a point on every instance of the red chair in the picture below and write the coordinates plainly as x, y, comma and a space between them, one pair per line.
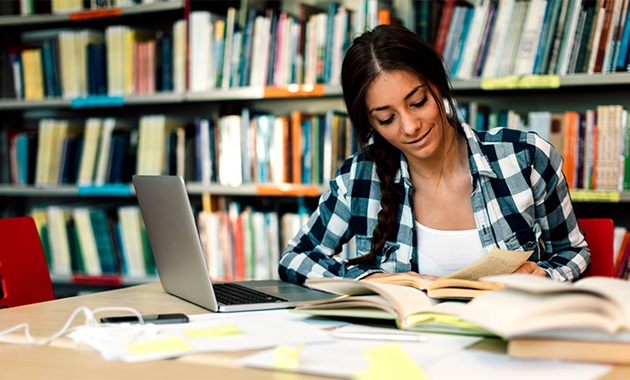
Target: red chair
599, 233
24, 276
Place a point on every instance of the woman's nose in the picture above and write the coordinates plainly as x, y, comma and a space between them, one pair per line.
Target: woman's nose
409, 124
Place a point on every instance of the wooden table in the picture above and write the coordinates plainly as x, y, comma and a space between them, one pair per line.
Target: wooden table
62, 360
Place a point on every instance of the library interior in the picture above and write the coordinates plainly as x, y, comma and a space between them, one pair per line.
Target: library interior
243, 100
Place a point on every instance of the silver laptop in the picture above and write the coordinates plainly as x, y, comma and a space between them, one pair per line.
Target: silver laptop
181, 263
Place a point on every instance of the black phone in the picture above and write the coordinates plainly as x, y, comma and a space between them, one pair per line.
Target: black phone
149, 318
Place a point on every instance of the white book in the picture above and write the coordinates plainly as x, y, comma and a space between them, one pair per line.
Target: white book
473, 41
608, 52
209, 229
227, 53
568, 38
497, 42
341, 26
506, 64
89, 151
179, 56
261, 246
530, 38
87, 241
230, 168
129, 218
115, 39
57, 219
45, 141
274, 249
104, 151
199, 39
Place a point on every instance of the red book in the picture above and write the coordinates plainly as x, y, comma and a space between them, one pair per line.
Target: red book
445, 22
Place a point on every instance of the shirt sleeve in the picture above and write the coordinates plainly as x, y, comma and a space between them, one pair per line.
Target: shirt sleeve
311, 253
565, 255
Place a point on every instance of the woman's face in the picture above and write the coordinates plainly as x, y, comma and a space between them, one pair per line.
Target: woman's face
402, 110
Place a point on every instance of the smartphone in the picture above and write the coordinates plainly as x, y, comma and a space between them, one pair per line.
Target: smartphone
149, 318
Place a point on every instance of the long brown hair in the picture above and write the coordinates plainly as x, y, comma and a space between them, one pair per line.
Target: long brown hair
388, 48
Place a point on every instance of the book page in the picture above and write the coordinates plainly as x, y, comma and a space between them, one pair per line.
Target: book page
498, 261
614, 289
404, 299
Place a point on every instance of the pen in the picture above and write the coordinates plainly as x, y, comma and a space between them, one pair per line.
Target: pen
379, 336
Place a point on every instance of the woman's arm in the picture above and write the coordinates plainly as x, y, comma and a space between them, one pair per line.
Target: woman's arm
311, 253
565, 255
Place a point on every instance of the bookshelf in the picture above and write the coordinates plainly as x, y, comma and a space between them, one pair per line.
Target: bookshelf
279, 98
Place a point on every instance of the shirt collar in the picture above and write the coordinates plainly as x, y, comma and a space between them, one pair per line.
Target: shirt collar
478, 161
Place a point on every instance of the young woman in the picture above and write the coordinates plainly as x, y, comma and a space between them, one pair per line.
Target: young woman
427, 195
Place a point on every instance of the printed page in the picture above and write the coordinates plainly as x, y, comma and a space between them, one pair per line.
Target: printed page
498, 261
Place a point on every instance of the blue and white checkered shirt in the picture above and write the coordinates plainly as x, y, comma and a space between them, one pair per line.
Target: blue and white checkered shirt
520, 201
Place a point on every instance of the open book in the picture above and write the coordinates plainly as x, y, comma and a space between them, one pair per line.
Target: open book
412, 301
409, 307
585, 320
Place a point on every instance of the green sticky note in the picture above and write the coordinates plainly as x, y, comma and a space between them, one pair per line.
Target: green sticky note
390, 362
286, 357
212, 332
163, 346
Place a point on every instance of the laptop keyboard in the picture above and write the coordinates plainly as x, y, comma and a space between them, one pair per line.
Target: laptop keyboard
234, 294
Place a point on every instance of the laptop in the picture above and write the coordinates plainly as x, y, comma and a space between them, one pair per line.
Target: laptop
180, 259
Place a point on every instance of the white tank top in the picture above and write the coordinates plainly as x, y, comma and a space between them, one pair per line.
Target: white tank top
444, 252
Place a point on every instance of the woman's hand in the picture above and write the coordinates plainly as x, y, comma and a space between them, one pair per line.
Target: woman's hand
402, 274
529, 267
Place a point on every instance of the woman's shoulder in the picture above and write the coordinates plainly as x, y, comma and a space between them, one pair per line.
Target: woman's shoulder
358, 165
512, 136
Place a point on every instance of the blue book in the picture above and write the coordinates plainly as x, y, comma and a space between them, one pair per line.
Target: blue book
624, 43
330, 27
69, 161
15, 57
97, 82
119, 242
164, 61
461, 41
307, 157
51, 77
246, 53
273, 46
104, 242
120, 145
548, 28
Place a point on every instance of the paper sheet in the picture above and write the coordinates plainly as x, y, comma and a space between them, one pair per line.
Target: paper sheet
209, 332
441, 356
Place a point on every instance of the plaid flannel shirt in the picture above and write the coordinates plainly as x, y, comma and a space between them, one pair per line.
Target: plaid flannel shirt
520, 201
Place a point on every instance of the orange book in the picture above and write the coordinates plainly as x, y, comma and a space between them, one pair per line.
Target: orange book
621, 250
297, 147
571, 122
384, 17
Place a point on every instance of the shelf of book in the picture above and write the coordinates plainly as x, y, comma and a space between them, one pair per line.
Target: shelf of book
221, 96
545, 82
251, 189
137, 9
108, 280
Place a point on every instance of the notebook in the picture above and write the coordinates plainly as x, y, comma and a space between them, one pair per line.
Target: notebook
181, 262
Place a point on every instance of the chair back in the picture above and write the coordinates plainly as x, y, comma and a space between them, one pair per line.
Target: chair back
599, 234
24, 275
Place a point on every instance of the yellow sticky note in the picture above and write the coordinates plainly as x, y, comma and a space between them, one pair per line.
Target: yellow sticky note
390, 362
212, 332
162, 346
286, 357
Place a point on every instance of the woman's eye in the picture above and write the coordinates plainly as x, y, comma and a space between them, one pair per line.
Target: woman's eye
387, 121
420, 103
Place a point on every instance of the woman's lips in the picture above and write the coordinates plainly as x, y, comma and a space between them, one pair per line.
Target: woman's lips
421, 139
